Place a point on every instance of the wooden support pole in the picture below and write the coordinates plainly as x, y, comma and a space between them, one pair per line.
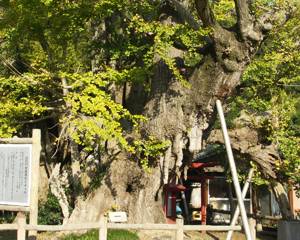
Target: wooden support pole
179, 231
237, 210
103, 228
233, 171
35, 168
252, 220
21, 221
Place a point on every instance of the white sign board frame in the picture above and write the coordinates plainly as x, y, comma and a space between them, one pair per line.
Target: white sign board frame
35, 141
15, 174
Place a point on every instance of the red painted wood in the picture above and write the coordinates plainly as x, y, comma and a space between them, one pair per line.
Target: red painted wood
173, 204
204, 200
203, 165
176, 188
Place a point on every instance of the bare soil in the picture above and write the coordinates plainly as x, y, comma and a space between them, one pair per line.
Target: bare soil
166, 235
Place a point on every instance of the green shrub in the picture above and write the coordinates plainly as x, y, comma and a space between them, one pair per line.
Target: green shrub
50, 212
111, 235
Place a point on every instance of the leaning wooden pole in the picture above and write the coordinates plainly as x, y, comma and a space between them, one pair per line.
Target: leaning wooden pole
233, 171
237, 210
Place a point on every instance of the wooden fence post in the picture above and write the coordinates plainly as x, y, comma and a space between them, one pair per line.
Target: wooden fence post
179, 231
36, 149
21, 221
103, 228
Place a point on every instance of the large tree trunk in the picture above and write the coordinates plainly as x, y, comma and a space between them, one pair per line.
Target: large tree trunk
175, 113
179, 114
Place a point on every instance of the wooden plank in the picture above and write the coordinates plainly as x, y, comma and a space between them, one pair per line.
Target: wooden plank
57, 228
21, 221
14, 208
34, 195
146, 226
210, 228
103, 229
96, 225
8, 226
179, 231
16, 140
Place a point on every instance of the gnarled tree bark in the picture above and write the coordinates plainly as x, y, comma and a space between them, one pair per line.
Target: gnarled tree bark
245, 143
184, 115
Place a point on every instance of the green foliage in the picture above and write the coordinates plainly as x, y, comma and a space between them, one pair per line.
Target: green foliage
259, 7
147, 150
257, 178
23, 98
54, 40
224, 11
7, 217
96, 178
111, 235
270, 95
96, 44
164, 37
50, 211
95, 117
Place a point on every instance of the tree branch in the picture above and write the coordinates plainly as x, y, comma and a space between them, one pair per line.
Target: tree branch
205, 13
245, 142
242, 11
39, 119
47, 49
245, 21
185, 14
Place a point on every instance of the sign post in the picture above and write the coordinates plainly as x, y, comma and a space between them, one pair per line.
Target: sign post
36, 151
19, 176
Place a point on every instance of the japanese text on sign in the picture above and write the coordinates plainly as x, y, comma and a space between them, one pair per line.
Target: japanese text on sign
15, 173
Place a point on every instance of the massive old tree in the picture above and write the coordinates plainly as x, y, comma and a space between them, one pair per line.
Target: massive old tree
124, 92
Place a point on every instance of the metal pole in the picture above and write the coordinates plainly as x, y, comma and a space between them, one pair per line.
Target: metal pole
237, 210
233, 171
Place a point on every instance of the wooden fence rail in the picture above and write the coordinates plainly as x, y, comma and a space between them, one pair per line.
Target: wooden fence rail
103, 226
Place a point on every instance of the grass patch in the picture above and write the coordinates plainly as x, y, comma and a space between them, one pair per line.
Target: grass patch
111, 235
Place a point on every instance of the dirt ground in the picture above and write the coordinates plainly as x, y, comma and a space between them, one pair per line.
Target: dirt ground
165, 235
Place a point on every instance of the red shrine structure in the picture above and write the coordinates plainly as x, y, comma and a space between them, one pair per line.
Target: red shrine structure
189, 197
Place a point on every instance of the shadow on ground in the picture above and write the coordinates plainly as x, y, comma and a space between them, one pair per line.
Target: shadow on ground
8, 235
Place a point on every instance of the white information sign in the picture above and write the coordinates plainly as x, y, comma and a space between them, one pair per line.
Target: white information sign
117, 217
15, 174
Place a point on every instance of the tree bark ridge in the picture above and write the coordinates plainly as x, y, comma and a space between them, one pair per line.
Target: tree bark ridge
205, 13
